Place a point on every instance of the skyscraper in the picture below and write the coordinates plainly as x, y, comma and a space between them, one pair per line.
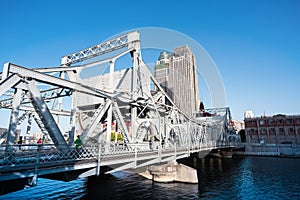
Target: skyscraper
161, 71
177, 75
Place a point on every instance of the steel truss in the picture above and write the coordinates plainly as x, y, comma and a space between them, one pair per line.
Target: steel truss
118, 102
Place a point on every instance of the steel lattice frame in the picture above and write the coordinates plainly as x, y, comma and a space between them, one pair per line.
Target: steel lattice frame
126, 99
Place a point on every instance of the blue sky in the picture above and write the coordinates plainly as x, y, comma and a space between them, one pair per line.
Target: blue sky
255, 44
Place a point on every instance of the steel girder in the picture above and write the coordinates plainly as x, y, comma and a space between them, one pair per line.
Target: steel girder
98, 114
128, 99
127, 40
46, 117
52, 80
14, 118
9, 83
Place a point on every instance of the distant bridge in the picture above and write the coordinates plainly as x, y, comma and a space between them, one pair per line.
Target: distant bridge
124, 117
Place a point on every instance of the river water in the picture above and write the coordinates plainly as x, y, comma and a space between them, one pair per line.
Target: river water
238, 178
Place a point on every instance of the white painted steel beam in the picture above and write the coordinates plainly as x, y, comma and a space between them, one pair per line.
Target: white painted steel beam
91, 64
14, 118
120, 120
102, 48
45, 78
80, 67
9, 83
54, 112
72, 127
96, 118
44, 113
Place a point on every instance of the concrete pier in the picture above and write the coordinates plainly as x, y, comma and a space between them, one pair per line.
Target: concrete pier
227, 153
171, 172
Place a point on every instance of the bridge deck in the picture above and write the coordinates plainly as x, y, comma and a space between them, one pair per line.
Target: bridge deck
25, 162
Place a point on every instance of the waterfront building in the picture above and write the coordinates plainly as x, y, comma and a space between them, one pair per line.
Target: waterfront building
176, 73
276, 129
248, 114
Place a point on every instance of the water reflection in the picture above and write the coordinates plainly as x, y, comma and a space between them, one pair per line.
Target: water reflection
126, 185
239, 178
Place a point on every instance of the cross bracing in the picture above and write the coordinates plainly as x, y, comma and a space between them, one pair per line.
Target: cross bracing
117, 108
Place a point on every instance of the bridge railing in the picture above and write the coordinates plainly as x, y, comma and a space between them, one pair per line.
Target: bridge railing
27, 156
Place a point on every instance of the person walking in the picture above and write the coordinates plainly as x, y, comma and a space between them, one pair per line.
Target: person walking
40, 141
78, 143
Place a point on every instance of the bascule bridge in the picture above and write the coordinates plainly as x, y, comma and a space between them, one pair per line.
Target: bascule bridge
125, 118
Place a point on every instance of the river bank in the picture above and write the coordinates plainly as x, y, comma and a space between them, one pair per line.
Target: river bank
273, 150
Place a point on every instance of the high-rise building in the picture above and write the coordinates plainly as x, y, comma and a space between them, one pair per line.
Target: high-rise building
161, 72
177, 74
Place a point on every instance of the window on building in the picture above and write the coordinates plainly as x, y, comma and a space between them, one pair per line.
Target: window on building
271, 121
298, 120
262, 122
250, 123
281, 130
263, 131
289, 121
272, 131
291, 130
280, 121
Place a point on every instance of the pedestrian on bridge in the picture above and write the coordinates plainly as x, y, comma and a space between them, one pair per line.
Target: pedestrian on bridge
40, 141
78, 143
